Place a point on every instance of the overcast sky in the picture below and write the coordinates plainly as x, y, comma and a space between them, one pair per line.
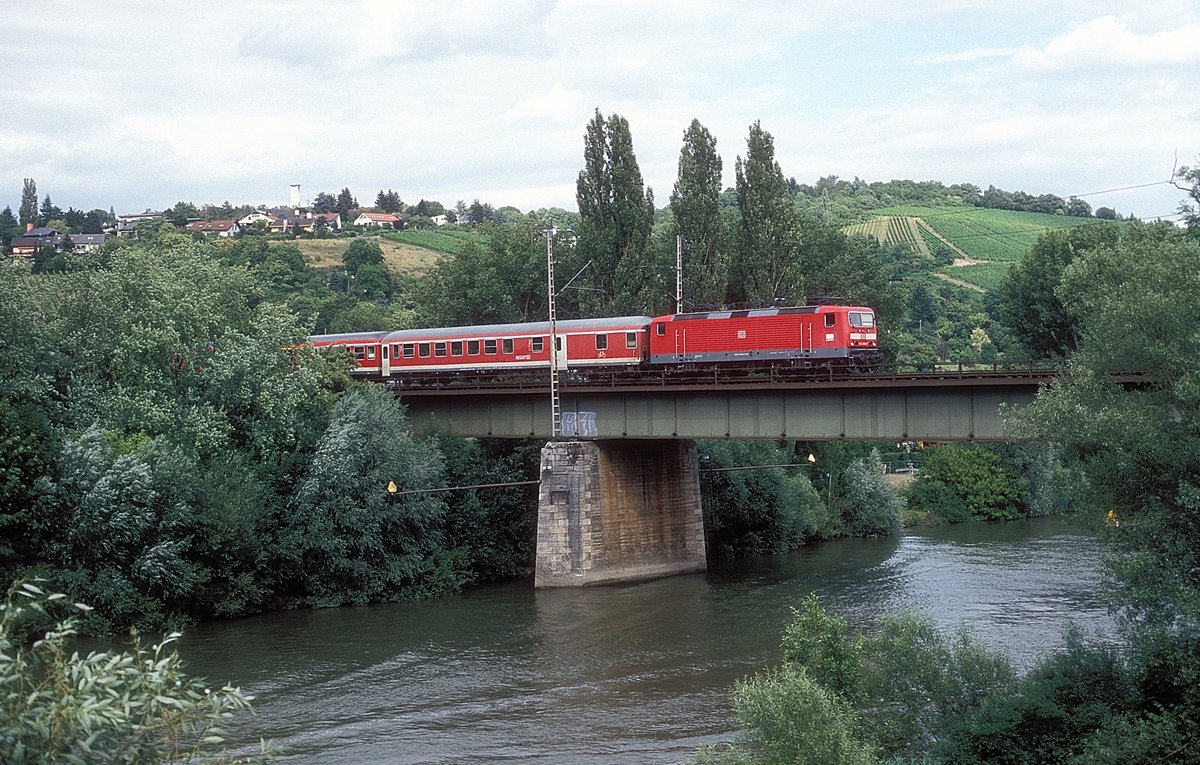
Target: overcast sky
139, 104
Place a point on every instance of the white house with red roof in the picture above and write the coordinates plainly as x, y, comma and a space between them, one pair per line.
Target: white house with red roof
377, 220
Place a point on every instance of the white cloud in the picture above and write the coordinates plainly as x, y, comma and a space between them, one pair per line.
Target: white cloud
1108, 42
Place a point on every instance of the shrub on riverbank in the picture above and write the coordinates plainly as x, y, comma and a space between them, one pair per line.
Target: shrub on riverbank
960, 483
761, 511
909, 692
870, 505
128, 707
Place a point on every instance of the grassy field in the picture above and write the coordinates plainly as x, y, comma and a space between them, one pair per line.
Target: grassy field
451, 241
401, 258
984, 242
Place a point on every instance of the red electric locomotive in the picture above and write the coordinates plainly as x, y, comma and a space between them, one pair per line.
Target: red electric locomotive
814, 335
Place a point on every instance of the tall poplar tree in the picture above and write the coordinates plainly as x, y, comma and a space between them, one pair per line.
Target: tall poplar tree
695, 204
768, 264
28, 211
616, 212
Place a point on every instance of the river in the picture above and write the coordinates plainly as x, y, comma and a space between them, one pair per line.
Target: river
635, 673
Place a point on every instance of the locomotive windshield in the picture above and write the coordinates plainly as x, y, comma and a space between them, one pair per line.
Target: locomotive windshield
862, 319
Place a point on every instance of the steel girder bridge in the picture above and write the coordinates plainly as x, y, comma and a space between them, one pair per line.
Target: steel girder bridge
955, 404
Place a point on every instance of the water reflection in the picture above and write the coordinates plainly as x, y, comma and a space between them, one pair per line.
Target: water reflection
625, 673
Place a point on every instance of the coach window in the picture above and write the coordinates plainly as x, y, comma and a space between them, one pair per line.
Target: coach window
489, 346
359, 353
409, 350
370, 352
385, 352
557, 343
602, 342
631, 339
456, 348
423, 350
508, 345
660, 329
439, 349
830, 319
535, 345
472, 347
396, 350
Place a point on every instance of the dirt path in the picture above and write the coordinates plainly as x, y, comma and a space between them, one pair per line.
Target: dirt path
960, 283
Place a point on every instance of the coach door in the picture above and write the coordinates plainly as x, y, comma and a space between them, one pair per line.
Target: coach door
560, 350
385, 363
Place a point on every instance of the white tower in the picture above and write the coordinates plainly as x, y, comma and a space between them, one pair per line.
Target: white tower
295, 198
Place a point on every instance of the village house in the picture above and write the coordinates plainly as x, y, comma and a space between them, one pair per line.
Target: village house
221, 228
378, 220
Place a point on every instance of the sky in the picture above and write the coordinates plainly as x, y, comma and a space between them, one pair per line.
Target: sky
135, 104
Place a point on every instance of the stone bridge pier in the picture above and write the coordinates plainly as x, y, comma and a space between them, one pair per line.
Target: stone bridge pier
613, 511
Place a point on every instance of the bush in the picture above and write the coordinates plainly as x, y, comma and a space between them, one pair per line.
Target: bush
870, 506
757, 512
986, 489
130, 707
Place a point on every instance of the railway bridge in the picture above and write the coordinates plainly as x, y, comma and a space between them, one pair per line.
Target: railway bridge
620, 488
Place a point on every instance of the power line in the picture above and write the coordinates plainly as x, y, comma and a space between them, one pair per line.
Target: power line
1123, 188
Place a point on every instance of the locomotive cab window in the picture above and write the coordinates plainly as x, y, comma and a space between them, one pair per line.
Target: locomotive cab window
439, 349
830, 319
861, 319
602, 342
535, 345
631, 339
409, 350
508, 345
489, 346
660, 329
456, 348
423, 350
472, 347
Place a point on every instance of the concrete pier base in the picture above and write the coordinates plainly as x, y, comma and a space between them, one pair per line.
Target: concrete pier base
613, 511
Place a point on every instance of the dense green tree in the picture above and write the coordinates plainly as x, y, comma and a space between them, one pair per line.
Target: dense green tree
362, 252
388, 201
48, 212
29, 204
1078, 208
1028, 301
495, 528
768, 265
695, 205
350, 539
345, 203
757, 512
325, 202
616, 212
372, 282
181, 213
9, 227
1188, 179
869, 504
968, 483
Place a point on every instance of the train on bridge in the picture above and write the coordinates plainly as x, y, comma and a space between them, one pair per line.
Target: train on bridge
812, 336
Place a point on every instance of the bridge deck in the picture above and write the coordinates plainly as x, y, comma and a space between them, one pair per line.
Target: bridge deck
938, 406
